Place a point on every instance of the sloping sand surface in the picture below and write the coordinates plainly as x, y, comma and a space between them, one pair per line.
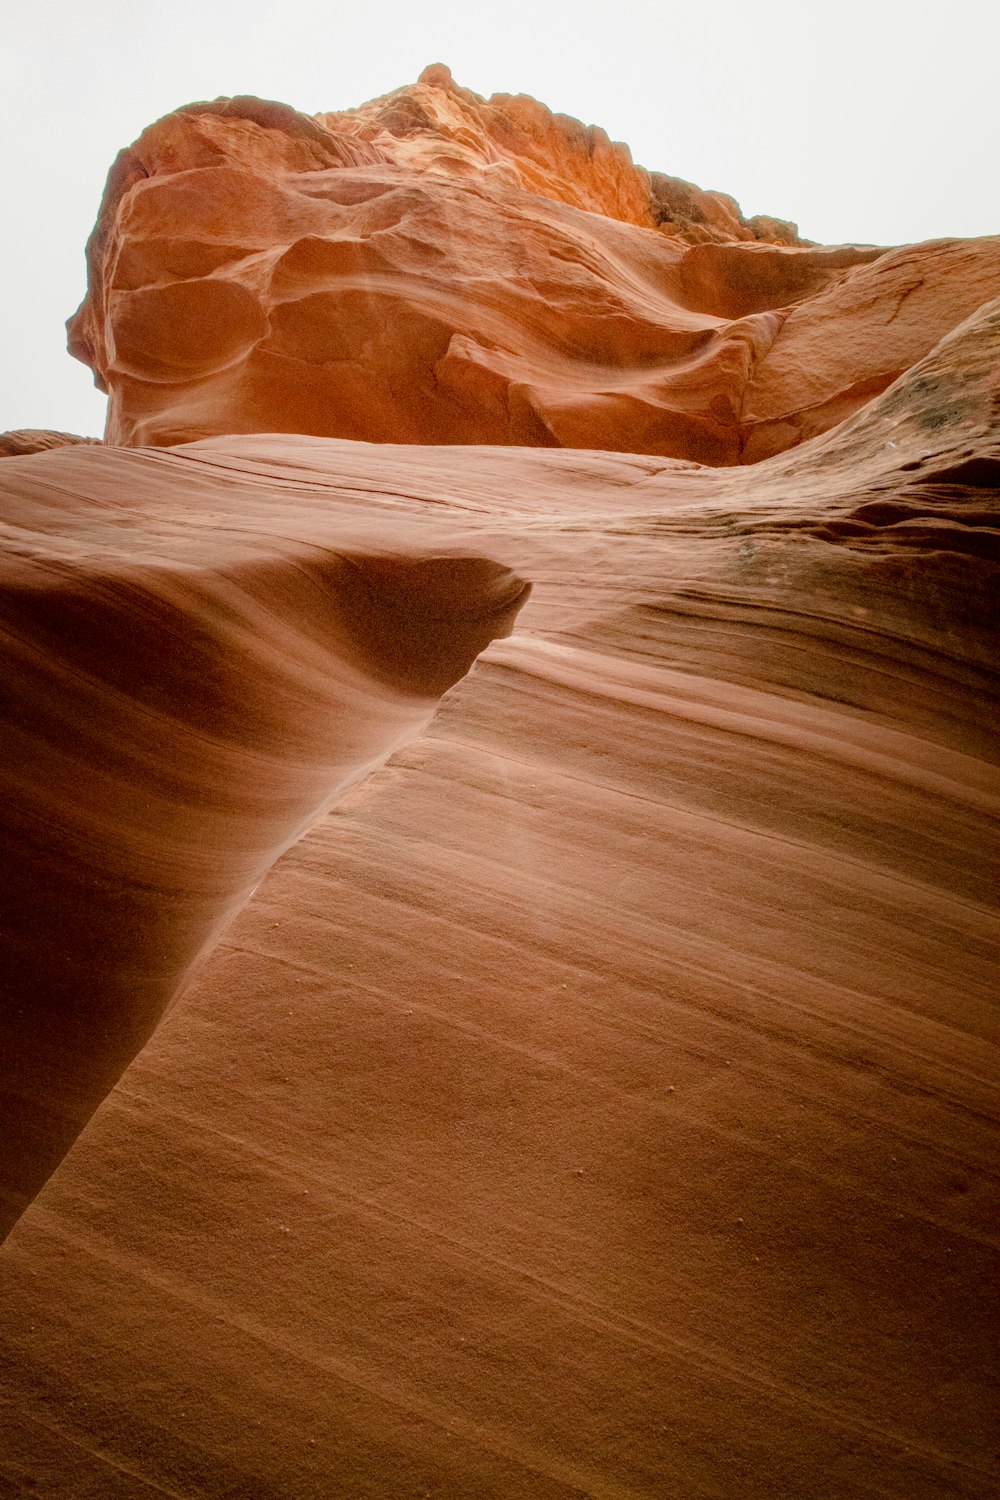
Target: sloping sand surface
600, 1099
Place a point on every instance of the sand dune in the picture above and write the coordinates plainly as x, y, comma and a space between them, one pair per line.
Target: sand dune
600, 1097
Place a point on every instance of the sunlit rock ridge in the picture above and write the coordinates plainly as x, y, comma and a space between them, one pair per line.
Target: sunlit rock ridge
515, 1047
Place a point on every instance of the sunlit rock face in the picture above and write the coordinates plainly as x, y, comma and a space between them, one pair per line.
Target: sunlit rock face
438, 268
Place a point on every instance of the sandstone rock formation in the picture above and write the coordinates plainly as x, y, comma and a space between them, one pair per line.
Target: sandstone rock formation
23, 440
176, 716
436, 268
600, 1099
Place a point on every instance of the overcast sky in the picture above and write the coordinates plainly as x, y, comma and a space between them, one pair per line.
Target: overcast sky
862, 120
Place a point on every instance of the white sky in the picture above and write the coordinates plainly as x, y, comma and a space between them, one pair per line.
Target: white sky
862, 120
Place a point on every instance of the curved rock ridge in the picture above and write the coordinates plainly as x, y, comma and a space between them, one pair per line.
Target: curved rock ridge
438, 268
178, 708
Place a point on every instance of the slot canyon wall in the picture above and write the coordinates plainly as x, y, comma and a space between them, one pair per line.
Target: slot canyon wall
500, 835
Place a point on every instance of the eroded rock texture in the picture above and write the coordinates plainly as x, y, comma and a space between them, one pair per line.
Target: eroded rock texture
436, 268
600, 1099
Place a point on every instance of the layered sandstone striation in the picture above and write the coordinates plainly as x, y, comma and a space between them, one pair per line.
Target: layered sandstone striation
179, 709
438, 268
20, 441
599, 1096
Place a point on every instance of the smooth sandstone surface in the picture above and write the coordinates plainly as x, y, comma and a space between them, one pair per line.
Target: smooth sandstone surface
179, 709
600, 1098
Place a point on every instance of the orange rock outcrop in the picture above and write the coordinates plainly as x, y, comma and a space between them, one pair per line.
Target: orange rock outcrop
599, 1097
438, 268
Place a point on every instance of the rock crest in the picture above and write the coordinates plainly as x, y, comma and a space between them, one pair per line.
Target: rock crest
434, 267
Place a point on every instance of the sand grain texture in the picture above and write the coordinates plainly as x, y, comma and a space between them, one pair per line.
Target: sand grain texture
600, 1099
